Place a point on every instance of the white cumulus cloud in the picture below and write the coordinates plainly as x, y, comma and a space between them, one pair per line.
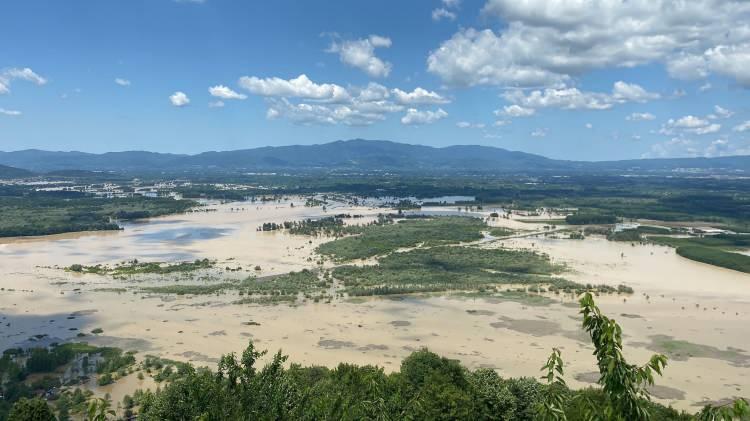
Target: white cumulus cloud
720, 112
539, 133
14, 73
515, 111
573, 99
442, 13
468, 125
299, 87
727, 60
304, 101
630, 92
224, 92
12, 113
351, 114
689, 124
418, 96
179, 99
414, 117
543, 42
360, 53
688, 121
640, 117
122, 82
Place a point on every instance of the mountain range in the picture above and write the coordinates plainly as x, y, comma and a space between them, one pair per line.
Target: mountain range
349, 155
11, 172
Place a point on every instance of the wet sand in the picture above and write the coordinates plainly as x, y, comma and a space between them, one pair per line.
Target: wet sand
509, 336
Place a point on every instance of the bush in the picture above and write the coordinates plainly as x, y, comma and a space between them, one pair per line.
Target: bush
590, 219
30, 410
105, 379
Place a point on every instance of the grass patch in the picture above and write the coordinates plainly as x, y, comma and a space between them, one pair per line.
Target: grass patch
291, 283
519, 296
526, 298
501, 232
268, 300
264, 290
115, 290
190, 289
650, 229
559, 221
134, 267
454, 268
377, 240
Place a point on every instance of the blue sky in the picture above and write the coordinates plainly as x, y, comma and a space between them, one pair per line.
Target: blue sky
584, 79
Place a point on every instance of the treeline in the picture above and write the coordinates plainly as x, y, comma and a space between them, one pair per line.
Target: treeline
33, 215
718, 250
270, 289
427, 387
716, 257
29, 231
656, 197
581, 218
330, 226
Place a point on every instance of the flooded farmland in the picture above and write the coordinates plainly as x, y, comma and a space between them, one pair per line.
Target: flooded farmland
694, 313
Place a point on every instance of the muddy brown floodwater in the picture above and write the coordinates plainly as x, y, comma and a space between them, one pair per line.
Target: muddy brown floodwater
697, 314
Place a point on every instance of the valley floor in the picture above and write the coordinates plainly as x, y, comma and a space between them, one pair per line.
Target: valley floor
695, 313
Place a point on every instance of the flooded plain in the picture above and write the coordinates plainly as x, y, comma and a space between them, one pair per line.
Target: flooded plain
697, 314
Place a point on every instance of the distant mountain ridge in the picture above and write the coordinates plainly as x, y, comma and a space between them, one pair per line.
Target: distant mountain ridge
342, 155
11, 172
